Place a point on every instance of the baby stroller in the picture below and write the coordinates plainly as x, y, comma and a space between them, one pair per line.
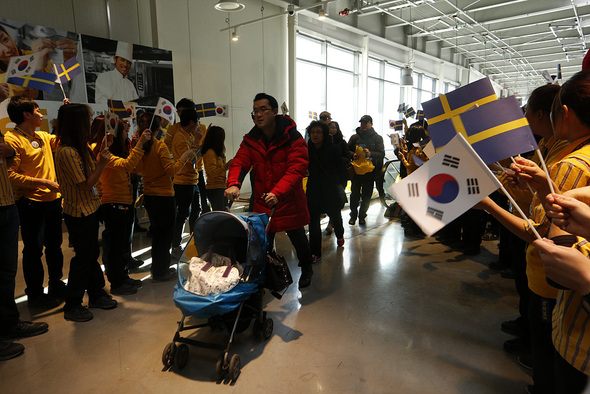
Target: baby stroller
243, 239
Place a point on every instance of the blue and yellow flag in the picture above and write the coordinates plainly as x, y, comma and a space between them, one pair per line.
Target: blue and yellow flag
496, 130
68, 70
420, 114
401, 108
38, 80
313, 115
118, 108
458, 101
410, 112
206, 109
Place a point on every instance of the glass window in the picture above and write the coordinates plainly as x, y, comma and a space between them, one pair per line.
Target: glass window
311, 90
373, 102
340, 58
341, 100
309, 49
391, 100
427, 83
374, 68
392, 73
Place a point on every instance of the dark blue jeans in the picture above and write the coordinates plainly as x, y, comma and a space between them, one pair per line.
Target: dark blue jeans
300, 243
361, 189
184, 196
160, 210
8, 264
40, 226
85, 272
118, 223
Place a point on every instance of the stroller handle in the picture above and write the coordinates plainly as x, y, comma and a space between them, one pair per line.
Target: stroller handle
272, 212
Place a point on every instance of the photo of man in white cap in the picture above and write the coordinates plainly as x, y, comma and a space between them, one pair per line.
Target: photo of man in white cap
114, 84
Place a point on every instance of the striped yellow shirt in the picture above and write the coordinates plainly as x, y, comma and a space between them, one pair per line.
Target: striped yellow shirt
182, 142
6, 195
32, 162
71, 172
115, 182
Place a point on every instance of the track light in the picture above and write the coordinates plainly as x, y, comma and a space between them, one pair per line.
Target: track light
322, 13
234, 35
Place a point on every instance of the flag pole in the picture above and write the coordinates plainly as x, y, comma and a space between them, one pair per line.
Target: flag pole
527, 184
515, 205
60, 84
546, 171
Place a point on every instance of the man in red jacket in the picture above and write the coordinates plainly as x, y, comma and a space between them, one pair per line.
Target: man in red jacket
277, 155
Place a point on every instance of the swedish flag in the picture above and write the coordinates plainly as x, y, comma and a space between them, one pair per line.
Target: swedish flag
38, 80
410, 112
313, 115
420, 114
206, 109
118, 108
68, 70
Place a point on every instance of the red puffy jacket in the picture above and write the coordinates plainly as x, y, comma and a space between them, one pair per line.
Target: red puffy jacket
278, 169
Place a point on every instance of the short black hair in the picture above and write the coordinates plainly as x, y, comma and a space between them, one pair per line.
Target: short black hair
185, 103
271, 100
187, 115
17, 107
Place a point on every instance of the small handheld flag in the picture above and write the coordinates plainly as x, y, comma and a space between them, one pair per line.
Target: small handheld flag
313, 115
401, 108
420, 114
68, 70
410, 112
110, 123
117, 107
19, 66
222, 110
284, 108
206, 109
165, 109
38, 80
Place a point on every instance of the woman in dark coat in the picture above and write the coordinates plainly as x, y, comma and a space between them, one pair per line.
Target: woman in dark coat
325, 193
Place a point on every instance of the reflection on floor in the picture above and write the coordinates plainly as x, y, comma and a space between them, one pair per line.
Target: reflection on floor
384, 314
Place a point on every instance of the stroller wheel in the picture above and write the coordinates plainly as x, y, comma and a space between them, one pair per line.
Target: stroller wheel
219, 368
168, 355
181, 356
234, 367
268, 327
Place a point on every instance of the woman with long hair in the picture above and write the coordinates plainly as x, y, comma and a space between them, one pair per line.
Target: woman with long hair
117, 208
213, 151
77, 172
157, 169
325, 193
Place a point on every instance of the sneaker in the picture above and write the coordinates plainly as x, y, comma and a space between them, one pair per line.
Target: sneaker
134, 282
315, 259
43, 301
78, 313
24, 329
57, 289
526, 360
512, 327
362, 222
171, 275
105, 301
134, 263
305, 279
518, 346
124, 289
340, 242
9, 349
352, 221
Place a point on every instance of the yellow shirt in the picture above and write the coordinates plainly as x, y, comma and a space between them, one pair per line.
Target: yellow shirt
187, 175
157, 169
32, 162
71, 172
171, 132
216, 170
6, 195
114, 179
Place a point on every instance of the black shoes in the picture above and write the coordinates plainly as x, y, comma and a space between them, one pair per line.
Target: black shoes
134, 282
352, 221
362, 222
24, 329
135, 263
43, 301
124, 289
105, 301
9, 349
170, 275
518, 346
305, 279
513, 327
57, 290
78, 313
498, 265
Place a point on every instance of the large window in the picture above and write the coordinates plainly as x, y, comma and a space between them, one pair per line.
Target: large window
327, 80
383, 95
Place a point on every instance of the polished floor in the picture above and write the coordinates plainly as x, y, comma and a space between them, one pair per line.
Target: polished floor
384, 314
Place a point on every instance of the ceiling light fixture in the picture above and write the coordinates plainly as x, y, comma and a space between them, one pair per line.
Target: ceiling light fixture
229, 6
234, 35
322, 13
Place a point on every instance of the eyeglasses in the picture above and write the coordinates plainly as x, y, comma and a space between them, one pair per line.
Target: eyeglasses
260, 111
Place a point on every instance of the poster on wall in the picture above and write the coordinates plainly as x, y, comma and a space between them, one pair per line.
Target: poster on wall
127, 72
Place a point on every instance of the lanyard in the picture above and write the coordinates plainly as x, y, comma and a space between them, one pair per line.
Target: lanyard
34, 143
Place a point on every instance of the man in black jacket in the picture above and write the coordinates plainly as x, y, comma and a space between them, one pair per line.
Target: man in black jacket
362, 185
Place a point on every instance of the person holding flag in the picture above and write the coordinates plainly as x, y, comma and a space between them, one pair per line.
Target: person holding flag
568, 169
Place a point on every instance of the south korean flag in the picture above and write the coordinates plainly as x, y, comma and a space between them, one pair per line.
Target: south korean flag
446, 186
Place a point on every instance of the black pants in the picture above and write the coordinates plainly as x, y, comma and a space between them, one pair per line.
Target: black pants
361, 189
40, 226
160, 209
85, 272
118, 222
184, 195
518, 262
540, 312
568, 380
300, 243
217, 199
315, 230
9, 222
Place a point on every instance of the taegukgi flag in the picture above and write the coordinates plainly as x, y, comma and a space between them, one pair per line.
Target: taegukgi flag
496, 130
110, 123
19, 66
446, 186
165, 109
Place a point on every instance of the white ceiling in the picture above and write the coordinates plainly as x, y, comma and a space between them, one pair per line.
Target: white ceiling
511, 41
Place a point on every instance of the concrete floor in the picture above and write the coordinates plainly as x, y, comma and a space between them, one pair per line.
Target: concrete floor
384, 314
